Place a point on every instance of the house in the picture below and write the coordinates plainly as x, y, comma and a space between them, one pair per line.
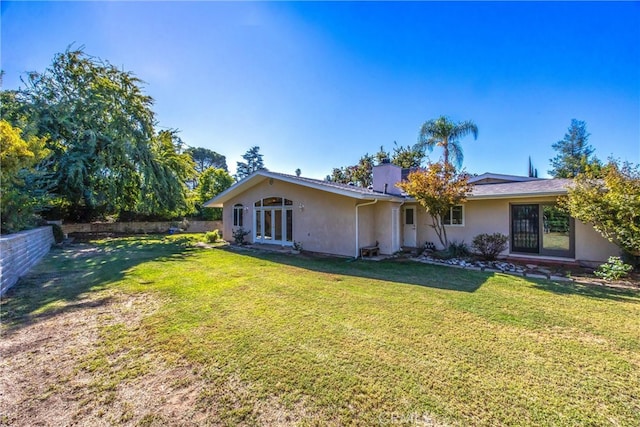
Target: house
340, 219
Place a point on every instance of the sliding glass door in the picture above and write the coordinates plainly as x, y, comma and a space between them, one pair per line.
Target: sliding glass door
542, 229
525, 228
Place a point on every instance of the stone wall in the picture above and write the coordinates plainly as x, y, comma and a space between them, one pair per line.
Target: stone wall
138, 227
21, 251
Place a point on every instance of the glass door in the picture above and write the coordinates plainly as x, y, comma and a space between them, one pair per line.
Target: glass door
273, 221
268, 223
525, 229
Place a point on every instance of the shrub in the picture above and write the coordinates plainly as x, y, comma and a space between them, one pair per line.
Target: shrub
489, 246
458, 250
455, 250
212, 236
239, 234
613, 269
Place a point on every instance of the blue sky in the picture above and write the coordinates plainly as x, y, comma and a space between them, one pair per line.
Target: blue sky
317, 85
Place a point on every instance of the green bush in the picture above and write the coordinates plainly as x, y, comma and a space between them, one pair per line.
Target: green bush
239, 234
212, 236
613, 269
458, 250
489, 246
455, 250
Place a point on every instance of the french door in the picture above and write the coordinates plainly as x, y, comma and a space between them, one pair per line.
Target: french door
273, 221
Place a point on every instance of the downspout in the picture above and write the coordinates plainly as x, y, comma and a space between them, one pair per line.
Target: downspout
357, 226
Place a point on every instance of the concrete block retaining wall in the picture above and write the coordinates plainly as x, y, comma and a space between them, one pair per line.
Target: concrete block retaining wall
141, 227
21, 251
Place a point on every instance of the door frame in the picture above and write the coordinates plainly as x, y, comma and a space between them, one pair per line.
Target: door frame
259, 214
541, 251
410, 230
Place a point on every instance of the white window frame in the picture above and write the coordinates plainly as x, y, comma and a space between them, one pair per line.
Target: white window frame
259, 214
451, 217
238, 215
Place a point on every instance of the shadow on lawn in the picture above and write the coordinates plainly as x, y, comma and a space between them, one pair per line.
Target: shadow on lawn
392, 270
434, 276
589, 290
64, 277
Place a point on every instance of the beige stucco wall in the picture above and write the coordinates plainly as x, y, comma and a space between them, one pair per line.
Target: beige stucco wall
326, 224
591, 246
491, 216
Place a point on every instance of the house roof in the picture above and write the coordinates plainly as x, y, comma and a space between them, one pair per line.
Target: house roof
496, 178
534, 188
331, 187
525, 187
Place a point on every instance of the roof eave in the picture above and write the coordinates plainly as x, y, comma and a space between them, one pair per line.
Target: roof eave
259, 176
517, 195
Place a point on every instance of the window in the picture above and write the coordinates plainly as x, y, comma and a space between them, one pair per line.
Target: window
238, 215
455, 217
408, 216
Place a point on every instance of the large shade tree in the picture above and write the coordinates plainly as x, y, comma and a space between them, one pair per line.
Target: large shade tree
205, 158
105, 155
610, 201
443, 132
212, 182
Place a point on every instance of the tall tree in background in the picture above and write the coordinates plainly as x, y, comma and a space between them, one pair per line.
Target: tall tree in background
444, 133
407, 157
382, 155
253, 162
105, 156
360, 174
533, 172
575, 155
205, 159
438, 188
212, 181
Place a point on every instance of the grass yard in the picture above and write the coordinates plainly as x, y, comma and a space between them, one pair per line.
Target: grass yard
153, 331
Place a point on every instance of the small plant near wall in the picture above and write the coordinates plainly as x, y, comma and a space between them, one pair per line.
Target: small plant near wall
489, 246
454, 250
239, 234
297, 246
212, 236
613, 269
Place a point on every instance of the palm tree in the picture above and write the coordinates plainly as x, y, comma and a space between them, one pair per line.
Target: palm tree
444, 133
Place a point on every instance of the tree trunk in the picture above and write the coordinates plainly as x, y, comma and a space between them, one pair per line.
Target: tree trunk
441, 232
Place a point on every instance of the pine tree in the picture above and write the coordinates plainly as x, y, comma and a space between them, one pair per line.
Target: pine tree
533, 172
253, 162
574, 153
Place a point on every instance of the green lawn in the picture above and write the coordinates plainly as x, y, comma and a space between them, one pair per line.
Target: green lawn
333, 342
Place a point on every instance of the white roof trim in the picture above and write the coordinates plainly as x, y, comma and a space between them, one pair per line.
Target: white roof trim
261, 175
508, 178
516, 195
